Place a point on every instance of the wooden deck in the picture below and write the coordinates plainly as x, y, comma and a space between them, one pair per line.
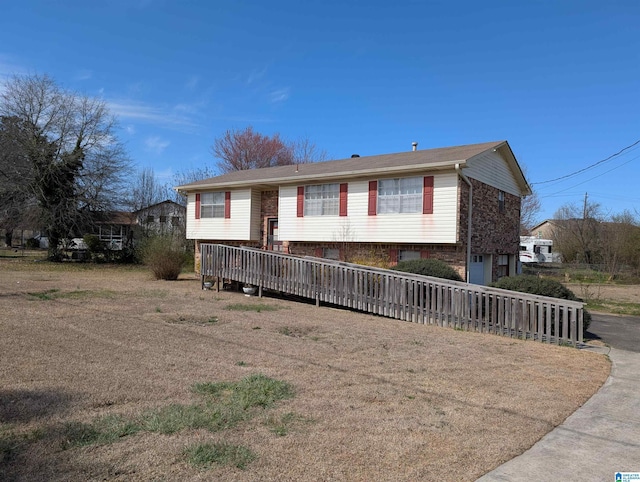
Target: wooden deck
403, 296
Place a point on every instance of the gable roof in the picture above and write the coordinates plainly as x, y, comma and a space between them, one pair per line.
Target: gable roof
166, 201
403, 162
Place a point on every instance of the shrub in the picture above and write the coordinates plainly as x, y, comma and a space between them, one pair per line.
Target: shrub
32, 243
164, 256
429, 267
536, 285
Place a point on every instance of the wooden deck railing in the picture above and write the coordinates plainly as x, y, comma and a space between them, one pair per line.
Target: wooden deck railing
404, 296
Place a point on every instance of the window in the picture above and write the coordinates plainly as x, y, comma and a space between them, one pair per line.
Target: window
331, 253
163, 219
322, 200
501, 201
400, 195
503, 265
175, 220
150, 218
212, 205
406, 255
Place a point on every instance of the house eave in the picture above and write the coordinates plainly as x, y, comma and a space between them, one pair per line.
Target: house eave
305, 178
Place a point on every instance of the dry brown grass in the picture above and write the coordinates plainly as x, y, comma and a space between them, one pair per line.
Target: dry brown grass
376, 399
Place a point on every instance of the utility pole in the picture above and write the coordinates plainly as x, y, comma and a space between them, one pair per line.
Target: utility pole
584, 210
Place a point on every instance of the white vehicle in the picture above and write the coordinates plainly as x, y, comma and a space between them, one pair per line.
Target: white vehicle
537, 250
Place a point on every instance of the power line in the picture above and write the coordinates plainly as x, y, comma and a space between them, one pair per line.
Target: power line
591, 179
589, 167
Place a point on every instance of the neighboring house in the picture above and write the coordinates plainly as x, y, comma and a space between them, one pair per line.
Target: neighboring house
459, 204
118, 229
166, 217
547, 229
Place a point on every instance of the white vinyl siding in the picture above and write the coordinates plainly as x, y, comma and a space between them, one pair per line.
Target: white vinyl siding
240, 227
490, 168
322, 200
358, 226
403, 195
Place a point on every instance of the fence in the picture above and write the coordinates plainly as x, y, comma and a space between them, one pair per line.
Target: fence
403, 296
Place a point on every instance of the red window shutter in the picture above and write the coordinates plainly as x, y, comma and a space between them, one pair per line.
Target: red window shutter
300, 201
424, 254
198, 205
427, 195
318, 253
343, 199
373, 197
393, 256
227, 204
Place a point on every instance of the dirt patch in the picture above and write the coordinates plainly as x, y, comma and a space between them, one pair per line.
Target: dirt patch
621, 293
375, 399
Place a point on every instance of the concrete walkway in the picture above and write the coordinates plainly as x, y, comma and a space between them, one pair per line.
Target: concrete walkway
601, 438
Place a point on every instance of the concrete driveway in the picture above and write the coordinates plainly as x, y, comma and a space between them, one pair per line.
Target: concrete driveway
601, 438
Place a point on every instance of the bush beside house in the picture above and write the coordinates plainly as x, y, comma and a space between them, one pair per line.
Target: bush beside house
540, 286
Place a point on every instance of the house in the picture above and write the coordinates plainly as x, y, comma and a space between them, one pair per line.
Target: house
119, 228
547, 228
166, 217
459, 204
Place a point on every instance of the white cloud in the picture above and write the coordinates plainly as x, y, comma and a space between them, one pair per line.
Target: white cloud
156, 144
150, 114
279, 95
131, 130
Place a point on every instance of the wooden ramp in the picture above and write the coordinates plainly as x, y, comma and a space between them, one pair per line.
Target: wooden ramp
403, 296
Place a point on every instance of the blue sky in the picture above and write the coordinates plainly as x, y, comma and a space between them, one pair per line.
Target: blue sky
558, 79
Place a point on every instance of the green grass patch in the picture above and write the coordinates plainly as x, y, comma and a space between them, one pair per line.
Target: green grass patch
44, 295
223, 405
204, 456
54, 294
104, 430
615, 307
9, 446
175, 418
282, 424
83, 294
253, 391
258, 307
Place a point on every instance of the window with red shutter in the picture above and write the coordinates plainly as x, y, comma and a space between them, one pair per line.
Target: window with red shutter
300, 202
427, 195
373, 197
227, 204
343, 199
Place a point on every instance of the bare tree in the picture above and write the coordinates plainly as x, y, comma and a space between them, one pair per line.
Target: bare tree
577, 234
621, 243
529, 209
247, 149
188, 176
306, 151
146, 190
14, 170
75, 165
